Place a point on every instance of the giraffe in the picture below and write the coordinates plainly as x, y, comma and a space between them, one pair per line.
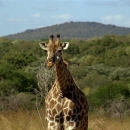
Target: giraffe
66, 105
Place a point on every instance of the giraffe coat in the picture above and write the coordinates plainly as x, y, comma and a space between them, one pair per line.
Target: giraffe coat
66, 104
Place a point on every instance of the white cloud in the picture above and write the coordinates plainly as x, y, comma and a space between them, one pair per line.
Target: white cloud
118, 20
62, 16
110, 18
37, 15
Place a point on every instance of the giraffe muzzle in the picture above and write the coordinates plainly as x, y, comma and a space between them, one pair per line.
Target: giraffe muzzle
50, 62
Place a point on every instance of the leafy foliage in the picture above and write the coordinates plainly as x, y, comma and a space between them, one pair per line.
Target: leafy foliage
109, 92
94, 64
114, 99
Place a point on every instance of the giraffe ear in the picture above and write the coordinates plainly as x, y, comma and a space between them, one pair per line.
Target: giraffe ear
43, 45
65, 45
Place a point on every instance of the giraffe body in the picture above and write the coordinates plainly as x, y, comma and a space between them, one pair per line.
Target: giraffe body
66, 104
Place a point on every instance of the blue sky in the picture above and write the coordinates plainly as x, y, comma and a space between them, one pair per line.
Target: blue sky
20, 15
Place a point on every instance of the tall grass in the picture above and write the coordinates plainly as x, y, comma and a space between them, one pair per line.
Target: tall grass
29, 120
107, 123
21, 120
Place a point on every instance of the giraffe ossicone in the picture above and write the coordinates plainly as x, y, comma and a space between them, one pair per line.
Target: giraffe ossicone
66, 105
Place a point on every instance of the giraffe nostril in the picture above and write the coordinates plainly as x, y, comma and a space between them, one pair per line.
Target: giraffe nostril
50, 60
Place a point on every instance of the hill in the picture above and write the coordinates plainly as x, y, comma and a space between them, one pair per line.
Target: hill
71, 30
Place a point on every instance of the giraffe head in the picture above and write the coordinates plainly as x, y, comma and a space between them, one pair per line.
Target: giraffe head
54, 50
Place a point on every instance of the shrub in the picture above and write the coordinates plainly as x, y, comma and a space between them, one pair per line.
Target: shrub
17, 101
11, 78
110, 92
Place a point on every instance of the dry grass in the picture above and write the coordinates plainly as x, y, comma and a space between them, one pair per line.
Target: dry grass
29, 120
106, 123
21, 120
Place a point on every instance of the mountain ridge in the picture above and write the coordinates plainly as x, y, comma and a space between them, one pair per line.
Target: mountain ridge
71, 30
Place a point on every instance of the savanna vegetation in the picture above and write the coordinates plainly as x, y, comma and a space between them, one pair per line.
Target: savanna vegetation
29, 120
100, 67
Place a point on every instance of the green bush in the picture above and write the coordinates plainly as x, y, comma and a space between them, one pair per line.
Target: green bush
110, 92
12, 78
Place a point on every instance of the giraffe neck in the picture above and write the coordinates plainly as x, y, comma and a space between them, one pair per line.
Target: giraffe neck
63, 76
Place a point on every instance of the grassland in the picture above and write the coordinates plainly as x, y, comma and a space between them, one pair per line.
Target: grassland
29, 120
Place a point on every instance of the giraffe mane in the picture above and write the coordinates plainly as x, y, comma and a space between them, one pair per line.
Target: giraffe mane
65, 63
